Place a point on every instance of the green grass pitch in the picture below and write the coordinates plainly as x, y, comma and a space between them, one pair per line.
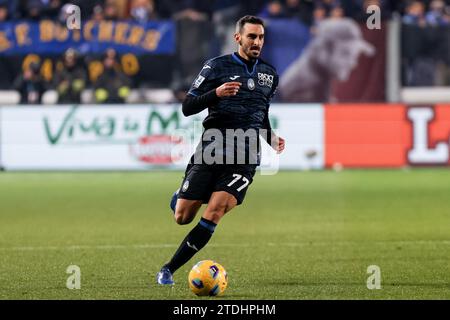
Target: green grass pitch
298, 235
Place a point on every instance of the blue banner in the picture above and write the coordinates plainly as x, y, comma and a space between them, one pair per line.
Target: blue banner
50, 37
284, 41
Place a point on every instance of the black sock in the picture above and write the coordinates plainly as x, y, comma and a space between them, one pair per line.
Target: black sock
194, 242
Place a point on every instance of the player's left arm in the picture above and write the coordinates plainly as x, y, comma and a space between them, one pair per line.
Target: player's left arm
275, 141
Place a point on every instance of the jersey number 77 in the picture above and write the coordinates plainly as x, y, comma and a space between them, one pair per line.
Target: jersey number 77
238, 177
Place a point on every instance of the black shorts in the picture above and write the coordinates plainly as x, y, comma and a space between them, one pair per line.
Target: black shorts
201, 180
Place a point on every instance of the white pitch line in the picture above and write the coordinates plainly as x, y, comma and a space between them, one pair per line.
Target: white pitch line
86, 247
269, 244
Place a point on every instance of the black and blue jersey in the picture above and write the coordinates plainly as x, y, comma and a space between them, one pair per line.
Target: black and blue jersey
250, 106
248, 109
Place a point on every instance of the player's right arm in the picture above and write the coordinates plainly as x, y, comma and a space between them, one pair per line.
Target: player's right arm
204, 92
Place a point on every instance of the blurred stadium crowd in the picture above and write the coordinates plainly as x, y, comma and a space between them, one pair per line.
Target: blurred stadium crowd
418, 12
203, 30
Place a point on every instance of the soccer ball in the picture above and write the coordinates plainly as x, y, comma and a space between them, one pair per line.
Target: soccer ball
208, 278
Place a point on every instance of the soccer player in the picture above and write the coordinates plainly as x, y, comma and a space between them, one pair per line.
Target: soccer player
237, 90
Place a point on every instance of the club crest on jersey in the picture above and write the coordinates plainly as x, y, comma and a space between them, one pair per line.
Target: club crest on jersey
265, 79
185, 185
251, 84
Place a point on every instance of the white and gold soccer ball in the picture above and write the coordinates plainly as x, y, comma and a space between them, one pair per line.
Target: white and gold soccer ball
208, 278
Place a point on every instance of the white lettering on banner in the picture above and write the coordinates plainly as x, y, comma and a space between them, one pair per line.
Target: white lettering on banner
141, 137
420, 152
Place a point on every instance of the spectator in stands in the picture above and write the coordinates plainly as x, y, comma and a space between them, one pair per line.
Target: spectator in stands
112, 86
273, 9
70, 79
324, 10
111, 10
3, 12
142, 10
195, 10
415, 14
328, 5
337, 12
33, 10
30, 85
437, 15
292, 7
39, 9
301, 9
122, 8
10, 9
319, 14
97, 13
252, 7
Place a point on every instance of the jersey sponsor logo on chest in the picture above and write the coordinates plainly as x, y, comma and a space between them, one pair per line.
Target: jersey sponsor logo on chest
265, 79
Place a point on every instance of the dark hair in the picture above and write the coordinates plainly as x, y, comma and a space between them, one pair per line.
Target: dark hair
248, 19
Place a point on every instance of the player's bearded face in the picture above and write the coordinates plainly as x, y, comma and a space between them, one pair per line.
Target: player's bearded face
251, 40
